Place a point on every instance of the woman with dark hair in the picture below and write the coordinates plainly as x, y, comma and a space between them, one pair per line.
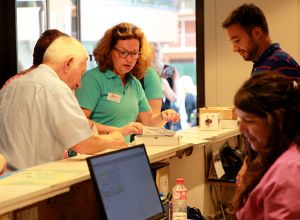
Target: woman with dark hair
111, 94
268, 109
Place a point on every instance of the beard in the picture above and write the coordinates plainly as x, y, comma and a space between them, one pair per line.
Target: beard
251, 50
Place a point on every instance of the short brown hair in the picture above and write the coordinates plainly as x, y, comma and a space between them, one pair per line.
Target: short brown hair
248, 16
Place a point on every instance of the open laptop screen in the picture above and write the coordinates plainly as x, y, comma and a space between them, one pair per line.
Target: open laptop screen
124, 184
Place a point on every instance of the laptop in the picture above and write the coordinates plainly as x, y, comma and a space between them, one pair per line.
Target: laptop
125, 186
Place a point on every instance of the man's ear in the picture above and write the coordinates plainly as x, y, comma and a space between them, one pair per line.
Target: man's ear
257, 32
68, 64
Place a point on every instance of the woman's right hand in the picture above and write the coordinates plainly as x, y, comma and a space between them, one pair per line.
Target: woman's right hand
132, 128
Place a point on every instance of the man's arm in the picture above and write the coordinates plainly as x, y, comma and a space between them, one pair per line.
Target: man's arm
97, 143
102, 129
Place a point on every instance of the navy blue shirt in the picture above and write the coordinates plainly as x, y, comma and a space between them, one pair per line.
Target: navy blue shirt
275, 59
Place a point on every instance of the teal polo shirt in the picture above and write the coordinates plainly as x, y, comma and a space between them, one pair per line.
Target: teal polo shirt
110, 102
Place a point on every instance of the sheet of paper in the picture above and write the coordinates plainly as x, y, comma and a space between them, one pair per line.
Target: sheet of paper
39, 177
84, 156
218, 164
157, 131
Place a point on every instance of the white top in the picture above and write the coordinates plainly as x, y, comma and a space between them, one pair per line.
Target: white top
39, 118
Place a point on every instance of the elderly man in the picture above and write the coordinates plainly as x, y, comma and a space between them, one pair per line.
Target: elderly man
40, 117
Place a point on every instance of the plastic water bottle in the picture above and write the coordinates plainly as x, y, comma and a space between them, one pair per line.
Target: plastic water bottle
179, 206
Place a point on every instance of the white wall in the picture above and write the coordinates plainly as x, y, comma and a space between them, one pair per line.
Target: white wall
152, 20
225, 70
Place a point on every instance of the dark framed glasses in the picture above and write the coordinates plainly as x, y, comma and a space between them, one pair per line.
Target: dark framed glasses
124, 53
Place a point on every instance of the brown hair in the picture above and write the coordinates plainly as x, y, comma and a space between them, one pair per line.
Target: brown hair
43, 43
247, 16
122, 31
274, 97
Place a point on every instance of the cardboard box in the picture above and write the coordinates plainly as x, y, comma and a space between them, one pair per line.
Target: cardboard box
210, 121
229, 124
227, 113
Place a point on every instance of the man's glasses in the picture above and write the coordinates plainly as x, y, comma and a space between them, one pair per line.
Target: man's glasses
125, 54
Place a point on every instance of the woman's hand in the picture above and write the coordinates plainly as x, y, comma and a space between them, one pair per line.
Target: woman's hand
132, 128
170, 115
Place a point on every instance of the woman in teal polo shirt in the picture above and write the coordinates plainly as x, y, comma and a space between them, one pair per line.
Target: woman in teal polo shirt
110, 94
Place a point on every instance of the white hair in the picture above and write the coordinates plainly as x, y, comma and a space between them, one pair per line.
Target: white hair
64, 47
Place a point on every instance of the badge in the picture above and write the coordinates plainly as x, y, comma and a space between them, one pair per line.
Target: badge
114, 97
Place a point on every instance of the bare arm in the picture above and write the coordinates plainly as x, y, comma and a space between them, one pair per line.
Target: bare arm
168, 91
175, 78
97, 143
130, 128
155, 105
149, 118
102, 129
171, 94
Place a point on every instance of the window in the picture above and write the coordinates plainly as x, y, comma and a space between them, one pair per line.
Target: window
170, 23
34, 17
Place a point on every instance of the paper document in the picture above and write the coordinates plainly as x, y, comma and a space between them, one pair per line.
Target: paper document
154, 131
157, 140
218, 164
40, 177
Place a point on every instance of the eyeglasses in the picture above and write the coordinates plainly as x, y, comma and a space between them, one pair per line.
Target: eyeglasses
126, 30
125, 54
